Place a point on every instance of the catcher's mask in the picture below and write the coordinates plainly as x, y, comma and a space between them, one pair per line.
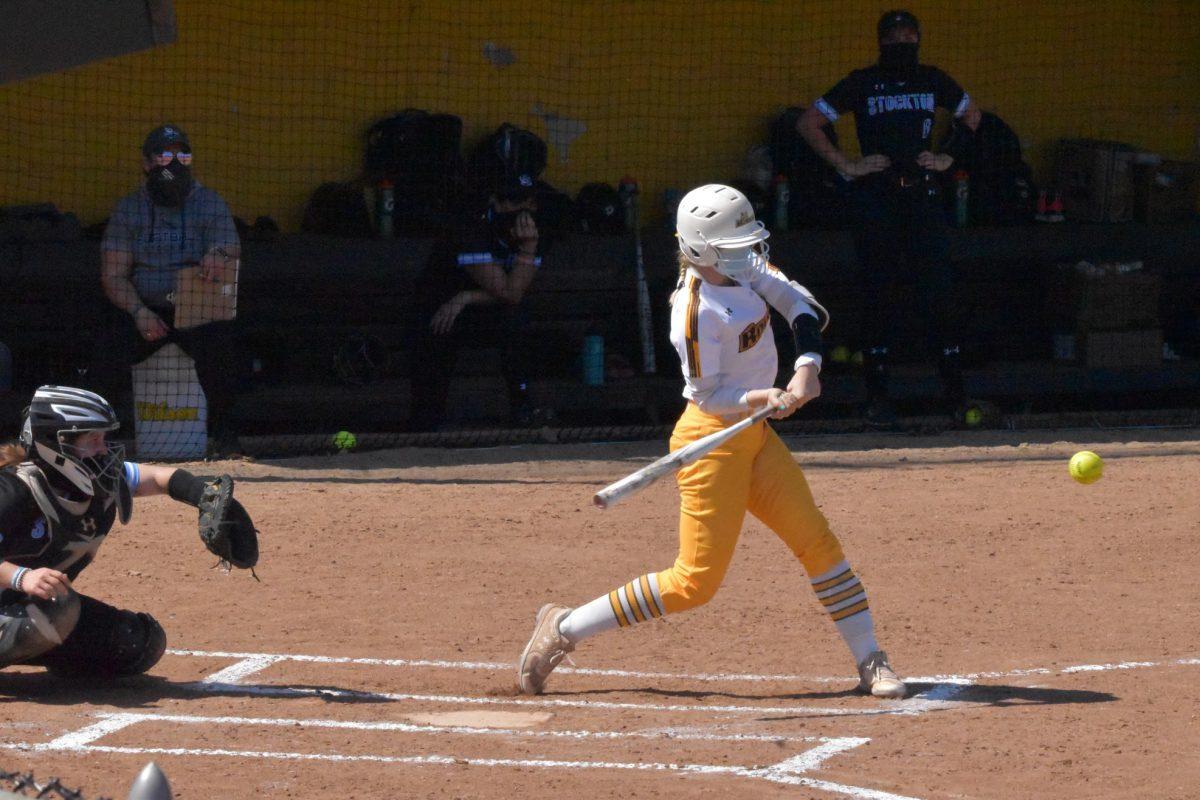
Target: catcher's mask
54, 421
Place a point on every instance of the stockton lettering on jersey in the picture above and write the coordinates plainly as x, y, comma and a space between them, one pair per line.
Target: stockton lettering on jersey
161, 412
879, 104
753, 332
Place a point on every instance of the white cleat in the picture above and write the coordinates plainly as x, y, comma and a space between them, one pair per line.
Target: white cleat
546, 649
878, 679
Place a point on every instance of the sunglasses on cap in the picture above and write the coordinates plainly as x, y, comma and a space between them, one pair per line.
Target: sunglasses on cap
164, 158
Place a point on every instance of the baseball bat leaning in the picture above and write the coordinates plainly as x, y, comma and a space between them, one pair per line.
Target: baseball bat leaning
645, 321
672, 462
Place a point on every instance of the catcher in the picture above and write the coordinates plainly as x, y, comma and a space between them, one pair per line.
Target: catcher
61, 489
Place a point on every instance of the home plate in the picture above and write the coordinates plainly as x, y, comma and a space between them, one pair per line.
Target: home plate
483, 719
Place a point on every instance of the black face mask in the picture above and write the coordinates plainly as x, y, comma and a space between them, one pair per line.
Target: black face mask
898, 55
169, 185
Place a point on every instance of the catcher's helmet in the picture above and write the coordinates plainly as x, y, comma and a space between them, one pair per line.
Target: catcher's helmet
897, 18
716, 228
55, 417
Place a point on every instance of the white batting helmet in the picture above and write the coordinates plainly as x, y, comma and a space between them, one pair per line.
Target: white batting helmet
716, 228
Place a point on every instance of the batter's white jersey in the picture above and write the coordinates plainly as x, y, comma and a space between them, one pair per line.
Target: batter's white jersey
724, 339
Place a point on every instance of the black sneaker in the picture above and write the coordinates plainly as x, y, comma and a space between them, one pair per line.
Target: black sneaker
881, 413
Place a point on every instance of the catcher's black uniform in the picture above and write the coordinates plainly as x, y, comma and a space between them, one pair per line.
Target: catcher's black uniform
900, 218
104, 640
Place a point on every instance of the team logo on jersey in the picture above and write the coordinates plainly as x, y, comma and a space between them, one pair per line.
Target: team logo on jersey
39, 529
753, 332
917, 101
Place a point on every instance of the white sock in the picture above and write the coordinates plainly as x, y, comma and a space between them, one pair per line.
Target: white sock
630, 602
845, 598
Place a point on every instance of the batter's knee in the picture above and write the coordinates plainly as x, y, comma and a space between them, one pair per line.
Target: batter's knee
34, 627
683, 592
108, 642
821, 554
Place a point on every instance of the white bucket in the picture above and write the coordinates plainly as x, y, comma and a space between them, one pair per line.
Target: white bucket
170, 409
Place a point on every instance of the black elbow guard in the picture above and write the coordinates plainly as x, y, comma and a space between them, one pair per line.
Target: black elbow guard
806, 329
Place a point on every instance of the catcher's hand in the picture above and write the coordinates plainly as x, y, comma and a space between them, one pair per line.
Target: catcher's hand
225, 527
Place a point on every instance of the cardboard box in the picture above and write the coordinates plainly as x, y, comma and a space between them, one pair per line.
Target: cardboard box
1117, 349
1095, 179
1117, 302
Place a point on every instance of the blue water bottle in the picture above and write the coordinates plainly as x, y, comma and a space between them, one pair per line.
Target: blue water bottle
593, 360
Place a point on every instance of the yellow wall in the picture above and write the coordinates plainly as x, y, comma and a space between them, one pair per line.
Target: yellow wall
275, 93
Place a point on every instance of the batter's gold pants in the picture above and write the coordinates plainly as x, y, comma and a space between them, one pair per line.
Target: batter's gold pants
755, 472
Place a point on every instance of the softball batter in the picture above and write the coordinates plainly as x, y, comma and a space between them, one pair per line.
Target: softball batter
721, 327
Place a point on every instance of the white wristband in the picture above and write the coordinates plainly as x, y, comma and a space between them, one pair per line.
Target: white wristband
17, 577
808, 358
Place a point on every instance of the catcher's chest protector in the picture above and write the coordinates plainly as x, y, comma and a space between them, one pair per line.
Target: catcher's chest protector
61, 540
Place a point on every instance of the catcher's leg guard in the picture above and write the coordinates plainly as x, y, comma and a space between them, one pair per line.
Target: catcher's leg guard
108, 642
32, 627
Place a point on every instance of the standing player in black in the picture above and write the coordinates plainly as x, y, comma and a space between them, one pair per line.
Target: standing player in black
900, 217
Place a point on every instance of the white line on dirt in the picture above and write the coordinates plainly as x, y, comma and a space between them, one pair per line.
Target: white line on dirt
685, 676
234, 673
785, 772
468, 730
497, 666
75, 740
884, 707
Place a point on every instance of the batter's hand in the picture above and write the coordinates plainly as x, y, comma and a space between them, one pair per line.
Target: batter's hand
443, 318
150, 325
868, 165
775, 398
938, 162
525, 233
805, 385
45, 583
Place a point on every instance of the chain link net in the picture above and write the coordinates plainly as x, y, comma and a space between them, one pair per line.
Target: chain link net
24, 784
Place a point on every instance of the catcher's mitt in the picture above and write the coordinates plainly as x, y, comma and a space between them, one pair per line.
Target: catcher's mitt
225, 527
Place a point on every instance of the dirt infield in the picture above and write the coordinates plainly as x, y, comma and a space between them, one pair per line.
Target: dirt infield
1050, 629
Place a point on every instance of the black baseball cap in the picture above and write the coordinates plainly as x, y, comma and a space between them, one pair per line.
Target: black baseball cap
515, 188
164, 136
897, 18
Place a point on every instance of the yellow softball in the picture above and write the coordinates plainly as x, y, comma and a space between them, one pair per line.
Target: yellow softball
344, 440
1086, 466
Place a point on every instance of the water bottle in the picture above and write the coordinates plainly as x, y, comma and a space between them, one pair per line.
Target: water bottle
387, 209
593, 360
627, 190
783, 196
962, 196
5, 368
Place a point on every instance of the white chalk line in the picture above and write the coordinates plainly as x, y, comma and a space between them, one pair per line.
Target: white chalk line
462, 730
110, 723
785, 772
683, 676
239, 670
884, 707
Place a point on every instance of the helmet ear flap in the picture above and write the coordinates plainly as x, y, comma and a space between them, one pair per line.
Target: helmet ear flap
704, 258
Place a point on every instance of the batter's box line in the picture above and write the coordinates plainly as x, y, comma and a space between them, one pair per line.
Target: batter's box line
791, 771
258, 661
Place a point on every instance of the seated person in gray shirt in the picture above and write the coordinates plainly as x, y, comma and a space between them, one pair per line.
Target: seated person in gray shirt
170, 223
